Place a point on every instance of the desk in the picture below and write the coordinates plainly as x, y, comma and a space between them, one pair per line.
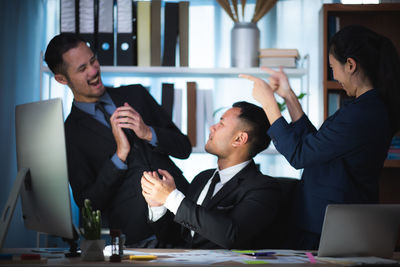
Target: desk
172, 261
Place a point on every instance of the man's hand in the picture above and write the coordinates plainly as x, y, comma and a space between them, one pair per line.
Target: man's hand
128, 117
123, 146
156, 190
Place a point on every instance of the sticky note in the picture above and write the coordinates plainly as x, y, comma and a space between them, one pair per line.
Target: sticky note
142, 257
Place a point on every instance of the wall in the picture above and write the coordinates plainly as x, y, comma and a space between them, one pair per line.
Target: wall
21, 35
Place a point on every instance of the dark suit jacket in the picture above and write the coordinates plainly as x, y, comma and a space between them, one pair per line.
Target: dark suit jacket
117, 193
241, 215
342, 161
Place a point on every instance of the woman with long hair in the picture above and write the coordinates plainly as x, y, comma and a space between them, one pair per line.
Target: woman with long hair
343, 159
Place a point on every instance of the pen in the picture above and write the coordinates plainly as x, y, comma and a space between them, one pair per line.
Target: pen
260, 254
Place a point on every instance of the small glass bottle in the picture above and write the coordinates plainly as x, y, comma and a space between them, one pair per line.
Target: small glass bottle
115, 245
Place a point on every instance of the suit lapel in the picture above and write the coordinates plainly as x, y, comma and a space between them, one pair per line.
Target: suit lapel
232, 184
86, 121
116, 98
200, 185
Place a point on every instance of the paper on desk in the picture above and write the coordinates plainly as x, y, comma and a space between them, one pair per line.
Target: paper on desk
282, 256
356, 260
188, 257
197, 256
203, 257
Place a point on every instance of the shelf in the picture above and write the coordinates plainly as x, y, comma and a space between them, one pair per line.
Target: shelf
392, 163
333, 85
271, 150
128, 71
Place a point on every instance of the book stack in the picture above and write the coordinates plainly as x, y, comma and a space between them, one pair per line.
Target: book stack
394, 149
275, 57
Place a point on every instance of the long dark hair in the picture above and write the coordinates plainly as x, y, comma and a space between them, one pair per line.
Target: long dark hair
378, 60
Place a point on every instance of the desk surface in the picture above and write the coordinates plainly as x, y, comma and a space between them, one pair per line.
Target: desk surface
166, 257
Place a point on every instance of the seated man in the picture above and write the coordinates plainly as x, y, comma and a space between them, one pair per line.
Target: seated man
233, 206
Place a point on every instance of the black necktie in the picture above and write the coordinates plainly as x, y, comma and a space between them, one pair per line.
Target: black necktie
211, 189
107, 116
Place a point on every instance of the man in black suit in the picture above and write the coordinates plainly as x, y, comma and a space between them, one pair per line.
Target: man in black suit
112, 136
233, 206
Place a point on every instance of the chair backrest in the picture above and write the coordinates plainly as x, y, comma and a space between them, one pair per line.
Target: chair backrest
284, 218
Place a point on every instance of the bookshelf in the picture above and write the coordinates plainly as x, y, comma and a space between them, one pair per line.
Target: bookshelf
381, 18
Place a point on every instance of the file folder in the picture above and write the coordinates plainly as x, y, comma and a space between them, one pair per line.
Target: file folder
155, 33
125, 49
87, 22
68, 21
167, 97
170, 33
105, 35
191, 89
184, 33
143, 33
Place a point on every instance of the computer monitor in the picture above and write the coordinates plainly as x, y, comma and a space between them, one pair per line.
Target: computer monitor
42, 180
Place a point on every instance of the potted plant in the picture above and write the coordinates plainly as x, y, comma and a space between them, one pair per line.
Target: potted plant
92, 246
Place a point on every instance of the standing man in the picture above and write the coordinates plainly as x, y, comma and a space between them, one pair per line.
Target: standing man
113, 135
233, 206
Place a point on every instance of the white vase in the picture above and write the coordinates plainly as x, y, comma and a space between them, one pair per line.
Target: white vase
92, 250
245, 43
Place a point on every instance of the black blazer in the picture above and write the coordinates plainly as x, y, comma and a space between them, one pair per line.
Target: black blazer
243, 214
117, 193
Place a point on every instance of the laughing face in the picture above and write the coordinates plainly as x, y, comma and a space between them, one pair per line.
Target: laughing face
82, 74
341, 75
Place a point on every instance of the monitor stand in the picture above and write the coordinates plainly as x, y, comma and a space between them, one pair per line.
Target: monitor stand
23, 176
73, 246
9, 208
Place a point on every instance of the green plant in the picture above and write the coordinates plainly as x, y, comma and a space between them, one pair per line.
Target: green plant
282, 106
91, 222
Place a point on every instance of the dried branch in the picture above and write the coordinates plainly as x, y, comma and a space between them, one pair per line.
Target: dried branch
263, 9
235, 8
226, 6
243, 2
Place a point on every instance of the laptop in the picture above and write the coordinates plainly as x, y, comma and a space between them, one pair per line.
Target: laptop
360, 230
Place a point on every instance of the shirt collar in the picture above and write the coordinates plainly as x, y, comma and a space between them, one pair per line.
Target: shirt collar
90, 108
227, 174
369, 93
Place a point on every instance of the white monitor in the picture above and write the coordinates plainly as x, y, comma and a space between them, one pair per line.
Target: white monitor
42, 179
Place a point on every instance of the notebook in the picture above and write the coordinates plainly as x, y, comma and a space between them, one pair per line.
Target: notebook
360, 230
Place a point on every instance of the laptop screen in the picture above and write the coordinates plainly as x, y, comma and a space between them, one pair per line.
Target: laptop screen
360, 230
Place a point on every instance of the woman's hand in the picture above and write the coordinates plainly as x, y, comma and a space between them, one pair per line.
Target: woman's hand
279, 82
264, 93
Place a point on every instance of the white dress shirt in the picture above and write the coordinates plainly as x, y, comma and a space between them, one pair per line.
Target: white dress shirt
176, 197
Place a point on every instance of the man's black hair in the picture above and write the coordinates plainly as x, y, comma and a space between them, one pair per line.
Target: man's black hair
257, 120
59, 45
